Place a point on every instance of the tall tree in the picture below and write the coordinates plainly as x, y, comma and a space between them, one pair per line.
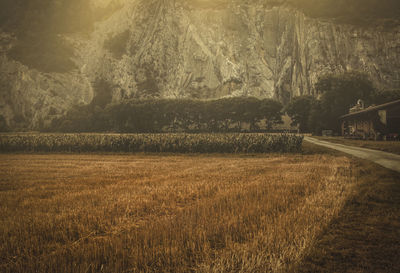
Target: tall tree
271, 110
299, 110
339, 92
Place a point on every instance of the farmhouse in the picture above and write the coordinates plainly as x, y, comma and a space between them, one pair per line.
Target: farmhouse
375, 122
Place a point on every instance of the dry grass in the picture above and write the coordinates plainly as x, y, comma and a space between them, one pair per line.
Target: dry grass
122, 213
387, 146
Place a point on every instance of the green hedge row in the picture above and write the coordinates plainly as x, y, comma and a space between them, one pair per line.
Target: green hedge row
154, 143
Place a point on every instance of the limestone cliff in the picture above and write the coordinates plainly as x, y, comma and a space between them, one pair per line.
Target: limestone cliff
200, 49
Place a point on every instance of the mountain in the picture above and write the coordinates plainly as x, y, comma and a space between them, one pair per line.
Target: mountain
205, 49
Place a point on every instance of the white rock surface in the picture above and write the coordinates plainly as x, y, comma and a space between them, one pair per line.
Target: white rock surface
204, 49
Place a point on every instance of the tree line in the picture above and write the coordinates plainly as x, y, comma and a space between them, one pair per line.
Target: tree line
172, 115
337, 93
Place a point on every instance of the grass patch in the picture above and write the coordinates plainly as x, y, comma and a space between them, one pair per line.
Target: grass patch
366, 235
387, 146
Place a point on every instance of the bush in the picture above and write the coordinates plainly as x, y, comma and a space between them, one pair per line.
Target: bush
170, 115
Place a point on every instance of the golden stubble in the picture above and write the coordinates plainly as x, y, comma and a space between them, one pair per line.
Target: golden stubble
149, 213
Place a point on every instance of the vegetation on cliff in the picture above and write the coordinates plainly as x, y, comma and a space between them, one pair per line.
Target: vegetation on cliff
359, 12
37, 25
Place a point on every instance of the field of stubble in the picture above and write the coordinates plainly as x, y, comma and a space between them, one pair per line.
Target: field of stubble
149, 213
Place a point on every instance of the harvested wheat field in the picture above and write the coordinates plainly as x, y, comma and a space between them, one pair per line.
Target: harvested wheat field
132, 213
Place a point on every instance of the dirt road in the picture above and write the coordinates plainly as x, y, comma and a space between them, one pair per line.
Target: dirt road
387, 160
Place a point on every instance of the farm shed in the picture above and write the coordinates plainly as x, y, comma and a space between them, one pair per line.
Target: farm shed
375, 122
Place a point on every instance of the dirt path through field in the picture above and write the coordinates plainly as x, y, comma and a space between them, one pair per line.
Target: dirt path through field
387, 160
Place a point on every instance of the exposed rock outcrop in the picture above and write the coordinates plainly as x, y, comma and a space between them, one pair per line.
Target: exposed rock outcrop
200, 49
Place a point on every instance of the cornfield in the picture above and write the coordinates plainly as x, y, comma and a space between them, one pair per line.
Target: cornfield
152, 143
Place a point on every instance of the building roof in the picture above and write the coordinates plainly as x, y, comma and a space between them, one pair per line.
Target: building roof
372, 108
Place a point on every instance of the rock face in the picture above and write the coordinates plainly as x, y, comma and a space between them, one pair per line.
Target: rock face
198, 49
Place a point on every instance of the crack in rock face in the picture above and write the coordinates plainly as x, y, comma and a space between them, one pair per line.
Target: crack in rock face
194, 49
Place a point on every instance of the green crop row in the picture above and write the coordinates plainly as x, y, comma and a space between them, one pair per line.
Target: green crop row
154, 143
